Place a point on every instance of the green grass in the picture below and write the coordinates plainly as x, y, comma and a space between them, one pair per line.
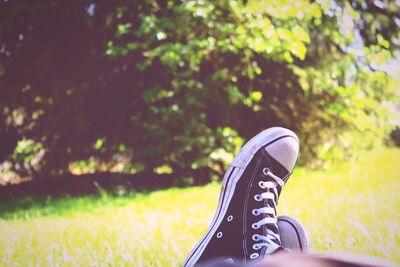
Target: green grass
351, 208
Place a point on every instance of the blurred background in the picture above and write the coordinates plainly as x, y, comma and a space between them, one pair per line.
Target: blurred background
119, 116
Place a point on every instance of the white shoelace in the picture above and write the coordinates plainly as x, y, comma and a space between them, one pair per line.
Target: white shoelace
269, 241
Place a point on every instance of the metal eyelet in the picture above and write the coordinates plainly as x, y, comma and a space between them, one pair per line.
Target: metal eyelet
257, 198
255, 226
261, 184
254, 256
219, 235
266, 171
255, 212
255, 238
256, 246
230, 218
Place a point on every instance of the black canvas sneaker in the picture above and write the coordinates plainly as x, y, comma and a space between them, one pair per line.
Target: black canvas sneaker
245, 224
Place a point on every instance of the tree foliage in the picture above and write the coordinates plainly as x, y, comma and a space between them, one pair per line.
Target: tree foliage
179, 85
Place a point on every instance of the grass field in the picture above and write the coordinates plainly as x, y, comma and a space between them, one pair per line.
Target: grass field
352, 208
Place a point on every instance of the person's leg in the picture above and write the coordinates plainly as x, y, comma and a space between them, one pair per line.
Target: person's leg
305, 260
322, 260
245, 225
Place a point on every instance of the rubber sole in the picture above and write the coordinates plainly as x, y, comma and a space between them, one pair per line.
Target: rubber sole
231, 178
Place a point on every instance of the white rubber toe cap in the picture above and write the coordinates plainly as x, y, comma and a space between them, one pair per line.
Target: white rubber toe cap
285, 151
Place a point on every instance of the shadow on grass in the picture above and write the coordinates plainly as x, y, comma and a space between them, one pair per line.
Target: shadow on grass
38, 206
47, 195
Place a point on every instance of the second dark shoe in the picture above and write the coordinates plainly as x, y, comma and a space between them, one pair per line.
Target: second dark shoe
294, 235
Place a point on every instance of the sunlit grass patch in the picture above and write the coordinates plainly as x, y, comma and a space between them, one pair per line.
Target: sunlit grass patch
352, 208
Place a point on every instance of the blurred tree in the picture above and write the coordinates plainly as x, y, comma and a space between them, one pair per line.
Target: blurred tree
176, 85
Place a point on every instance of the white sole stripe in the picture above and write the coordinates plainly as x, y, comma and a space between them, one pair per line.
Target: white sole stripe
227, 176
